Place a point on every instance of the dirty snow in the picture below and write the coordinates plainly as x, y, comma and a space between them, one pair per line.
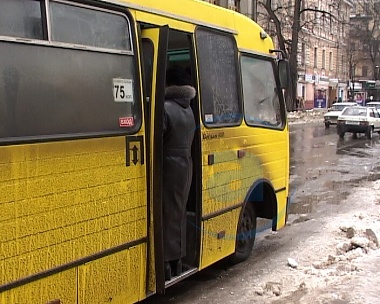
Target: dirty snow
338, 264
306, 116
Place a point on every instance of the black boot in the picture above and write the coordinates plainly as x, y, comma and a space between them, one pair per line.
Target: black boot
168, 271
176, 266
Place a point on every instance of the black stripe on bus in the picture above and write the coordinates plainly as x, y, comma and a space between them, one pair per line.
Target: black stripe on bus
280, 190
220, 212
61, 268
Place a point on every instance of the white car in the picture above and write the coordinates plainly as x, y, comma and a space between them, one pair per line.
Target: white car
358, 119
331, 116
375, 104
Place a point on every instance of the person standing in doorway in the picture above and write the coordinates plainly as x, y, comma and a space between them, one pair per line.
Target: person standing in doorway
178, 127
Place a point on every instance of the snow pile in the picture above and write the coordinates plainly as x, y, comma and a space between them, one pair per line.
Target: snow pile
314, 115
339, 263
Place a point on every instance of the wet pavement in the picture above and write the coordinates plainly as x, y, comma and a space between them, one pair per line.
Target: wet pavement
324, 170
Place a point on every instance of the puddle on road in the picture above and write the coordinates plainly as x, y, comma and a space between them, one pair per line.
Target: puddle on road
325, 169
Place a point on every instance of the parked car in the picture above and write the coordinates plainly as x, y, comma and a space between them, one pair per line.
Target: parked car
375, 104
332, 115
358, 119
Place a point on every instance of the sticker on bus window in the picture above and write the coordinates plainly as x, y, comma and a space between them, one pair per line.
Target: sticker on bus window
122, 90
126, 122
209, 118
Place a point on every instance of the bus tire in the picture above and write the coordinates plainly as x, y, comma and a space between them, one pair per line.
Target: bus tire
246, 233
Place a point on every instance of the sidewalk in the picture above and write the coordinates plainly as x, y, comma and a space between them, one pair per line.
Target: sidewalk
314, 115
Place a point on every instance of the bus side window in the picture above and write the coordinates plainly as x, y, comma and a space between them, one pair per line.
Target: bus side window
21, 19
260, 93
148, 49
77, 25
217, 56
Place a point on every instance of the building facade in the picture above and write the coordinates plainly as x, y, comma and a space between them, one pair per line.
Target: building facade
364, 53
323, 69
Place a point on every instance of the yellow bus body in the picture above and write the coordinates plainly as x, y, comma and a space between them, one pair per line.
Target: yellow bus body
76, 223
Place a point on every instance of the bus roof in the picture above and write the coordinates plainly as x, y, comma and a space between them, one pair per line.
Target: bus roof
250, 36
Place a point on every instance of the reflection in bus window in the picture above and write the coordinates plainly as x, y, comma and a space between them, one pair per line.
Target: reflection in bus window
261, 102
27, 24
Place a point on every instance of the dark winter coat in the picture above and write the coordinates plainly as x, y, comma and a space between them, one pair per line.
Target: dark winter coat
179, 127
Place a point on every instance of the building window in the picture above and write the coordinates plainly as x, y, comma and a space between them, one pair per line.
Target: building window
315, 57
330, 61
323, 59
302, 9
364, 70
234, 5
303, 53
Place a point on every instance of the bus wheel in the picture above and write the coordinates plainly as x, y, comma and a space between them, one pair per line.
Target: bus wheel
246, 234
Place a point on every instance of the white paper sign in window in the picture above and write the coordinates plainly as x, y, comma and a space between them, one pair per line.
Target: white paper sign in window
123, 90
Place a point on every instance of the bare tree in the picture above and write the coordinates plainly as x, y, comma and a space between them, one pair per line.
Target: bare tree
365, 33
287, 29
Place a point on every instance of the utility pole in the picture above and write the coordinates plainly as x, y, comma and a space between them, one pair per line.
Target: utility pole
377, 80
353, 67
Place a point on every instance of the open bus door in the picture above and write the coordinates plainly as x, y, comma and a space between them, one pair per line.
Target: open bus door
155, 44
161, 47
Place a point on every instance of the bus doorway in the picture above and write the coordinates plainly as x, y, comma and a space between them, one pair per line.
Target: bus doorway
163, 48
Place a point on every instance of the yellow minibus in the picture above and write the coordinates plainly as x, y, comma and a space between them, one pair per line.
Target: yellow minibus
81, 104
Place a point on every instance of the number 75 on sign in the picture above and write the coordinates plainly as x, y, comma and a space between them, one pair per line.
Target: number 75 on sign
122, 90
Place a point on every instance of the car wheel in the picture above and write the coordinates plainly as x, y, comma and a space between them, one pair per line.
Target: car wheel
369, 132
327, 125
341, 135
246, 233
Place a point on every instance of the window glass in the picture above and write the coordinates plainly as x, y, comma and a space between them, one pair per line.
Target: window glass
148, 53
261, 100
377, 115
217, 57
85, 26
50, 92
46, 91
353, 111
21, 18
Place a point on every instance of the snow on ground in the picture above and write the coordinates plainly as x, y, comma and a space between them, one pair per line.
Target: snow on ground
314, 115
338, 263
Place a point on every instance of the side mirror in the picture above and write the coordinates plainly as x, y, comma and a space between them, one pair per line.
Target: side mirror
284, 73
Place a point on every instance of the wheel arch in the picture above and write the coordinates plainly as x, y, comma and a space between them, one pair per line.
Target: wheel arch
263, 198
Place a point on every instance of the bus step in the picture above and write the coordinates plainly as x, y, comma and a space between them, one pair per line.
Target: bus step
181, 277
